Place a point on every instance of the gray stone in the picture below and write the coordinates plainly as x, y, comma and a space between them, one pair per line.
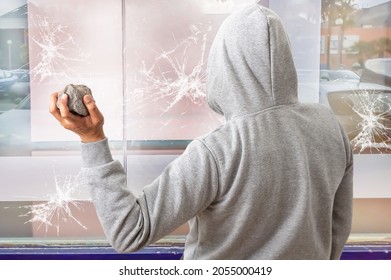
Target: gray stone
75, 98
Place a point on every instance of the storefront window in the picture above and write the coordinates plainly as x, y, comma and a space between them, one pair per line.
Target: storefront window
355, 84
145, 63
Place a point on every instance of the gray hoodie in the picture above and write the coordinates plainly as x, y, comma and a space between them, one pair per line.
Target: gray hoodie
274, 182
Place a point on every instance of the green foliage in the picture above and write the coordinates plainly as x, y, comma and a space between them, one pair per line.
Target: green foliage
338, 9
363, 48
371, 49
383, 46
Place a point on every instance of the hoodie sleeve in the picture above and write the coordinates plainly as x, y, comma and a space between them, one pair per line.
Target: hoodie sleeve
186, 187
342, 210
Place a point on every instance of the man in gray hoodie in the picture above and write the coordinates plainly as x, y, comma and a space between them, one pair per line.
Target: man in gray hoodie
273, 182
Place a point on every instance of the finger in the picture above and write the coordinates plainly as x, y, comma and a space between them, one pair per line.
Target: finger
52, 103
63, 106
53, 106
95, 114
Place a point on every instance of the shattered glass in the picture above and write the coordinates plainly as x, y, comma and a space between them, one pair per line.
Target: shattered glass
374, 126
365, 114
146, 65
58, 208
57, 50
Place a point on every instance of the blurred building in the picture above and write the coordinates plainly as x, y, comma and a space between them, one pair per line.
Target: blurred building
366, 35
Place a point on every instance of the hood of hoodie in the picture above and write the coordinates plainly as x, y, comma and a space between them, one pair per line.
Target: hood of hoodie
250, 64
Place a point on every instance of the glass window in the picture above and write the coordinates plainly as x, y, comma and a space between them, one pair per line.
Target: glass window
145, 63
355, 38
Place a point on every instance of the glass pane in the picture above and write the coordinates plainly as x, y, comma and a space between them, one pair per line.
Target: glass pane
45, 46
145, 64
355, 84
167, 49
358, 86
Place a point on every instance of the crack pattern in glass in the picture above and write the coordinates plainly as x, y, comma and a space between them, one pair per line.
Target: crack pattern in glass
58, 208
373, 129
178, 81
57, 48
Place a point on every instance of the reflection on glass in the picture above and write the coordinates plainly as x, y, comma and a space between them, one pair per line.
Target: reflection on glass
14, 80
355, 39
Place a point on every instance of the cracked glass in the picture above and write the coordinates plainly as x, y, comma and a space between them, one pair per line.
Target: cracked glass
145, 62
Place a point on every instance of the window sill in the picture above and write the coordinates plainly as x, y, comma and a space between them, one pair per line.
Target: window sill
359, 247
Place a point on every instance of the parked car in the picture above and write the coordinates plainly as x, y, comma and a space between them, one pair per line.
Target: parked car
363, 107
21, 88
377, 71
338, 75
379, 65
7, 79
351, 103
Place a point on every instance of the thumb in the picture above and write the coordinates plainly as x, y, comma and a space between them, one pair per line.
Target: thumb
93, 110
87, 99
89, 102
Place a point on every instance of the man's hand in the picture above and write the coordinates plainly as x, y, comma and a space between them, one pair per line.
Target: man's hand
89, 128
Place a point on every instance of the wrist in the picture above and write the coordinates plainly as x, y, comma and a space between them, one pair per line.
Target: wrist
92, 138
